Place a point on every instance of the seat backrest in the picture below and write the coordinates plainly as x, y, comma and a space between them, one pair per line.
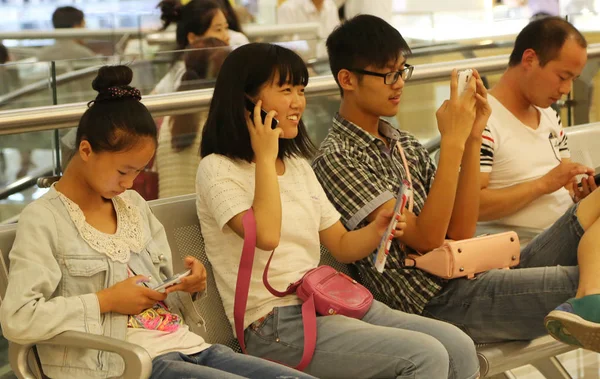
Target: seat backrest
178, 216
584, 144
7, 237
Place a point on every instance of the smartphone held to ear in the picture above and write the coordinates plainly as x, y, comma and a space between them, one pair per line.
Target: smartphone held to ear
463, 80
263, 114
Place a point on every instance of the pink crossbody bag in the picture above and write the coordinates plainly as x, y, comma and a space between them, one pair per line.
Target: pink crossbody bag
465, 258
323, 290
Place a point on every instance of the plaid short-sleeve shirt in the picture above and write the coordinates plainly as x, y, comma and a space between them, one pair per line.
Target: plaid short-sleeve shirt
360, 173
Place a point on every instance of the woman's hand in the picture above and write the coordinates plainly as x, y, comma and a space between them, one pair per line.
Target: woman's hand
264, 140
383, 219
129, 297
195, 281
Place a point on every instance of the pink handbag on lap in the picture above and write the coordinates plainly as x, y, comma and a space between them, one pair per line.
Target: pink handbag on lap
323, 290
456, 259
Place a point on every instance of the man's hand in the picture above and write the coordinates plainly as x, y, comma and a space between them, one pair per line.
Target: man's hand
562, 175
588, 185
194, 282
455, 117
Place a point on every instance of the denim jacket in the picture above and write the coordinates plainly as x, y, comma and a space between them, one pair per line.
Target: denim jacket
55, 274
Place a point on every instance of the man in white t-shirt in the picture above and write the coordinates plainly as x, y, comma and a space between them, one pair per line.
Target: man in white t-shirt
323, 12
527, 177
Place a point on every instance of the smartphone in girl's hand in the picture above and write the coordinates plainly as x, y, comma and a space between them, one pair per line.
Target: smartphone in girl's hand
250, 106
175, 279
386, 241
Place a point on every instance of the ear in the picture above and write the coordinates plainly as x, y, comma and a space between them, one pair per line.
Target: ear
529, 59
191, 38
85, 150
348, 81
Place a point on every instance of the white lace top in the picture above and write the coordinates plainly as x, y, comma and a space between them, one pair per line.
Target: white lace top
128, 238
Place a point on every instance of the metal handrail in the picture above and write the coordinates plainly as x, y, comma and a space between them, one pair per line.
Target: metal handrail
65, 116
252, 31
42, 85
65, 78
25, 182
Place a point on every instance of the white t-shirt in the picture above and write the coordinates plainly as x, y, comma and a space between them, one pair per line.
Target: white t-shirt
514, 153
158, 343
237, 38
302, 11
381, 8
225, 188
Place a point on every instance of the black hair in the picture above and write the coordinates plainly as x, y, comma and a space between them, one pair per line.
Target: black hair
66, 17
363, 41
546, 36
194, 17
3, 54
116, 119
245, 71
230, 15
203, 62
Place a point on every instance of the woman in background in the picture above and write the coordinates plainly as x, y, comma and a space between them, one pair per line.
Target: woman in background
196, 19
177, 155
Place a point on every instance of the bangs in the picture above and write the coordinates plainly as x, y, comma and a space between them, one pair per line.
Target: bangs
381, 56
288, 68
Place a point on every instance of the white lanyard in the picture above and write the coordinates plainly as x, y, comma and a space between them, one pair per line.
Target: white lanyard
408, 177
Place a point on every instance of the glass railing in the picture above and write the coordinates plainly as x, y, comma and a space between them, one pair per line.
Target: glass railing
421, 98
17, 80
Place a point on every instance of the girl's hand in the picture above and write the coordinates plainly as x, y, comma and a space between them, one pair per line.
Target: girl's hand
194, 282
129, 297
383, 219
264, 140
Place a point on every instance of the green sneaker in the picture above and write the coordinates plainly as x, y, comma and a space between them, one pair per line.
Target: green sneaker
576, 322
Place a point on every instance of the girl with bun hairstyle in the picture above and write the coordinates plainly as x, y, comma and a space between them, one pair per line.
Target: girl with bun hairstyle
195, 20
88, 253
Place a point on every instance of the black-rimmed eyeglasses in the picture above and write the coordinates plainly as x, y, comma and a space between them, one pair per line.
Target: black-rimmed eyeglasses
390, 77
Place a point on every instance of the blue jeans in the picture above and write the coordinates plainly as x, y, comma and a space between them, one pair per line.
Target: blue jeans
219, 362
502, 305
385, 344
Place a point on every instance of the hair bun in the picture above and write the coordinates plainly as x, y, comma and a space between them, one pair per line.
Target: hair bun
170, 12
112, 82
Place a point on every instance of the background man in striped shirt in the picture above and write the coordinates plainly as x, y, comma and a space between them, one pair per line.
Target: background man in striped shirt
527, 177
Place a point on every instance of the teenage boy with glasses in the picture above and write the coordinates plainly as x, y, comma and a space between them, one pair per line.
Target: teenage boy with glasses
360, 167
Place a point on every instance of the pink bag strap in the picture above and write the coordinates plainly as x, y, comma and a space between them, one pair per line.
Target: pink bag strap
408, 176
309, 313
242, 286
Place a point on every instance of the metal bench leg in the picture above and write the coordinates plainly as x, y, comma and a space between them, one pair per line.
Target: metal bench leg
504, 375
551, 368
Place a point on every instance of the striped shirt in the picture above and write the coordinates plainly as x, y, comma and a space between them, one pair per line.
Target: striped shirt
359, 173
503, 122
514, 153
